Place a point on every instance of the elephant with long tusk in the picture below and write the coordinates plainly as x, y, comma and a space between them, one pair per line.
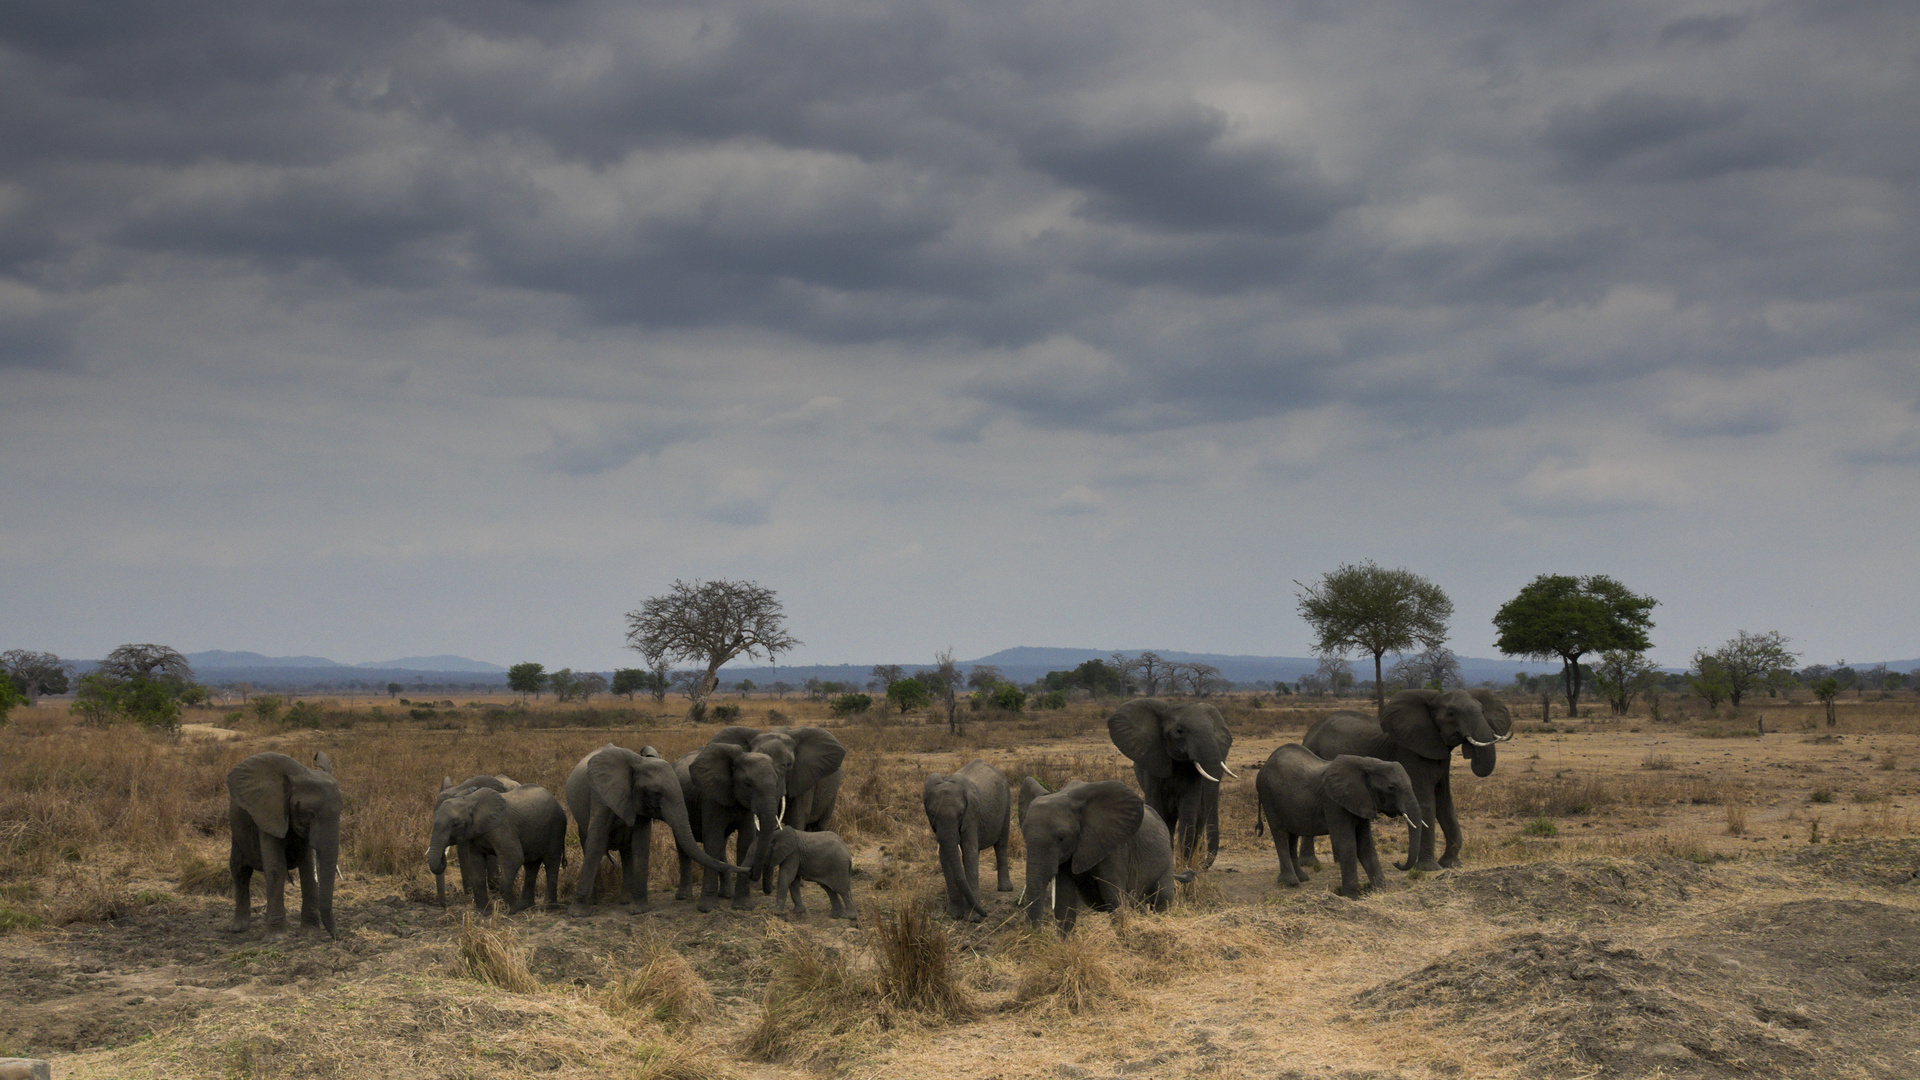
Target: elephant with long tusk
1420, 729
1179, 752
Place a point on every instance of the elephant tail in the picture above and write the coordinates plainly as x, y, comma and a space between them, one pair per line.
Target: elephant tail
1259, 818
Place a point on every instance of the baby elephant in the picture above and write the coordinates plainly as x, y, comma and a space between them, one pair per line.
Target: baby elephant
520, 827
818, 857
1305, 797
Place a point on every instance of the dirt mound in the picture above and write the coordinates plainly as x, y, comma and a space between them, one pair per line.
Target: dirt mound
1808, 989
1640, 885
1873, 862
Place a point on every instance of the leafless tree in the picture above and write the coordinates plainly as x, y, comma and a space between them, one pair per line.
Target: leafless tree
1147, 670
155, 662
984, 677
888, 674
1436, 665
710, 622
944, 681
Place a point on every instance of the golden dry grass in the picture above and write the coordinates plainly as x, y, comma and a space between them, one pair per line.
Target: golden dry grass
662, 985
489, 951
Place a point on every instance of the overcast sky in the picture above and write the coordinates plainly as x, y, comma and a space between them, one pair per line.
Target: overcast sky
378, 329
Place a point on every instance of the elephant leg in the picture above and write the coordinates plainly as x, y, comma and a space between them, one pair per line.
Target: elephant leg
1283, 845
788, 892
1307, 860
685, 891
711, 881
742, 888
242, 894
480, 878
1000, 864
1346, 853
970, 859
309, 891
1369, 856
1449, 821
273, 852
1066, 902
593, 849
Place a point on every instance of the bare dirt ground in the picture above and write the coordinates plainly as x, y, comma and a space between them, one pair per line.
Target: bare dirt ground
1633, 903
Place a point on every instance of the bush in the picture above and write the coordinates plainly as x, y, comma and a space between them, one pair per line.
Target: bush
1008, 697
726, 714
267, 706
850, 703
1053, 699
304, 714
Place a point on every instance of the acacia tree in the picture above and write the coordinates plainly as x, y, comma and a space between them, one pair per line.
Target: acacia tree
1566, 617
1747, 660
527, 678
711, 622
1622, 675
1375, 610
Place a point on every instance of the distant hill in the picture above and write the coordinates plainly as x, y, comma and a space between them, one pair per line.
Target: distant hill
233, 661
435, 663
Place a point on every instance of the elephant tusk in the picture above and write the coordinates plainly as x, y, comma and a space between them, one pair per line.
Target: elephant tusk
782, 816
1477, 742
1503, 738
1225, 769
1202, 770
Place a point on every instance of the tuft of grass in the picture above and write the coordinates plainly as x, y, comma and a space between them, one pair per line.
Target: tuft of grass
918, 969
1736, 818
675, 1061
664, 986
1541, 826
1657, 762
12, 918
204, 877
491, 953
818, 1010
1821, 795
1075, 973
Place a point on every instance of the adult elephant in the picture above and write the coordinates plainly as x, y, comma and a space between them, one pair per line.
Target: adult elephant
808, 759
1096, 845
1419, 729
615, 795
451, 790
1304, 796
1179, 753
283, 814
969, 810
731, 790
523, 827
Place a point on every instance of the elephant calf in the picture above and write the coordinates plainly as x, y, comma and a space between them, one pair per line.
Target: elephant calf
451, 790
1097, 844
969, 810
284, 815
1304, 796
520, 827
818, 857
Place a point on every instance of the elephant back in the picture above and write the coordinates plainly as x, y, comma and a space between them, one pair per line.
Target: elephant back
1348, 733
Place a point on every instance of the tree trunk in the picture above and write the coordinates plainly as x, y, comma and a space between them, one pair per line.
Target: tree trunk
1379, 689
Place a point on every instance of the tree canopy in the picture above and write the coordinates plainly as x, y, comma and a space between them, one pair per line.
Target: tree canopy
527, 678
35, 673
1377, 611
1746, 660
709, 622
1558, 615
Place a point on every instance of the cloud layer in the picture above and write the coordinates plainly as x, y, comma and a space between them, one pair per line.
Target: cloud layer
413, 327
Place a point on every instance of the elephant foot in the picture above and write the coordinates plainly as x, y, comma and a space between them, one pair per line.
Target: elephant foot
1291, 884
705, 905
1449, 861
1428, 865
639, 908
973, 917
1005, 886
743, 903
578, 911
683, 894
239, 926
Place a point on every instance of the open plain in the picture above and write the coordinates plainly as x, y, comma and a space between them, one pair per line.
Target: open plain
1637, 898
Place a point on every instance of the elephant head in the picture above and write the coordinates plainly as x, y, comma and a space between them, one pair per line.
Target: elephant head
634, 785
950, 800
297, 806
467, 816
1158, 735
1500, 720
1072, 831
437, 855
1368, 787
734, 777
1431, 723
804, 756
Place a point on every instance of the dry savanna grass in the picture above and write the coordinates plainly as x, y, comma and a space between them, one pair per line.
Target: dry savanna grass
114, 886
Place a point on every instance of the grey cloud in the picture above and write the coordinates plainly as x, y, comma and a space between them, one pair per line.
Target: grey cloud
1698, 30
1654, 136
602, 448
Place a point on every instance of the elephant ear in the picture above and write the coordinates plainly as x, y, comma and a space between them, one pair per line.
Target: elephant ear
1409, 720
1136, 731
1030, 789
739, 735
489, 811
322, 762
1499, 717
259, 785
711, 770
816, 754
1345, 783
785, 842
1110, 813
610, 774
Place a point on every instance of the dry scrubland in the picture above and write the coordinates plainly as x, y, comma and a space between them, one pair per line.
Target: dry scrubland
1637, 899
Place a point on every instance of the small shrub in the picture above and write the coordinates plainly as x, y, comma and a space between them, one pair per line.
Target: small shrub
1541, 826
775, 716
1053, 699
1821, 795
1008, 698
1736, 818
1658, 762
726, 714
304, 714
266, 707
204, 877
846, 704
1072, 974
818, 1010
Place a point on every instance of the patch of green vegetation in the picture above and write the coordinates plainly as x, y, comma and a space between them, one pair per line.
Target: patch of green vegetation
12, 918
1821, 795
1541, 826
1717, 732
150, 897
254, 954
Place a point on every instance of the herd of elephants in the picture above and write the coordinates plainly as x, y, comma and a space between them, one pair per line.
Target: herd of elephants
1096, 845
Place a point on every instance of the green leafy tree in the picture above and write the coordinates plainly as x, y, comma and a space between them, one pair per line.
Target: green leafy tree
1621, 676
393, 689
1052, 699
1565, 617
9, 697
1827, 690
1708, 679
143, 683
527, 678
745, 686
1376, 611
850, 703
630, 681
711, 622
1746, 659
1007, 698
562, 682
909, 694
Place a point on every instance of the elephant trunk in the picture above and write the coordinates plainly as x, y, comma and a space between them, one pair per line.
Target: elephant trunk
766, 817
955, 869
326, 866
1476, 730
674, 813
437, 851
1481, 757
1042, 868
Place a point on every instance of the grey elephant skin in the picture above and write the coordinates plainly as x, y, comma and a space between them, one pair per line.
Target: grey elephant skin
284, 815
1179, 754
969, 810
1096, 845
731, 791
819, 857
808, 760
523, 827
1303, 796
451, 790
615, 795
1419, 729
